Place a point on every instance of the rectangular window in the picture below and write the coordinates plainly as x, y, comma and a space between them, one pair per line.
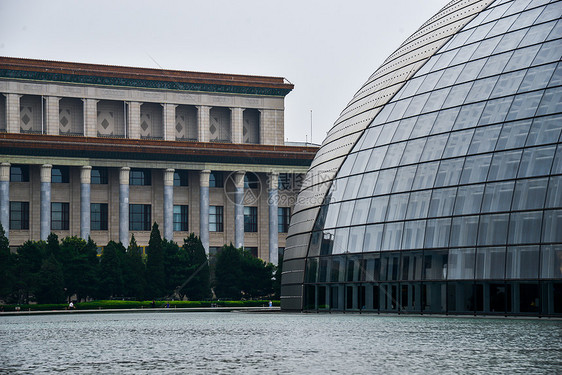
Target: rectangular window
251, 181
98, 216
283, 214
284, 181
60, 175
181, 178
250, 219
216, 218
19, 173
139, 216
99, 176
140, 177
59, 216
216, 179
252, 250
19, 215
181, 218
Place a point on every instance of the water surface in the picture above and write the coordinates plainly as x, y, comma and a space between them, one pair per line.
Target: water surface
251, 343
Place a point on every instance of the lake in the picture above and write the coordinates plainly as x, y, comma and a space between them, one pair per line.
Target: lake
252, 343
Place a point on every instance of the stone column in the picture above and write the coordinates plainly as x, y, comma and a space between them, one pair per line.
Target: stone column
52, 119
263, 127
273, 202
203, 122
90, 117
5, 197
133, 118
124, 206
237, 125
169, 204
13, 113
204, 208
85, 180
239, 209
45, 213
170, 122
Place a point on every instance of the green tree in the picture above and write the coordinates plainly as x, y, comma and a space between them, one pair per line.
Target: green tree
155, 275
7, 267
228, 273
50, 282
111, 274
29, 259
257, 276
199, 285
277, 279
134, 270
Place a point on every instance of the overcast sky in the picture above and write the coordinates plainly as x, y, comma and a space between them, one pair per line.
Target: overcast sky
327, 49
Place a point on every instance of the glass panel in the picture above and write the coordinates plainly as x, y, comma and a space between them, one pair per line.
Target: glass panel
556, 79
524, 105
413, 234
536, 161
356, 236
554, 198
373, 237
468, 116
370, 137
504, 165
385, 181
445, 120
522, 58
344, 216
490, 263
430, 81
416, 105
458, 143
353, 184
392, 236
436, 100
423, 126
437, 233
340, 241
413, 151
367, 184
394, 154
510, 41
551, 262
486, 48
525, 227
468, 199
376, 159
360, 211
435, 265
327, 242
513, 135
529, 194
495, 111
537, 78
481, 89
411, 267
544, 130
484, 139
475, 169
332, 215
397, 207
404, 178
461, 264
361, 161
493, 229
404, 129
387, 133
434, 147
338, 189
457, 95
442, 201
526, 18
471, 70
551, 102
418, 204
377, 210
449, 172
449, 76
464, 231
425, 175
497, 196
522, 262
508, 84
551, 226
549, 52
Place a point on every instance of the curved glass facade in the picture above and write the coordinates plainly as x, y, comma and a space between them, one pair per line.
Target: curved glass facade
450, 200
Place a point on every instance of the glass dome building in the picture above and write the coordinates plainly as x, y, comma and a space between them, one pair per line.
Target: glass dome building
439, 188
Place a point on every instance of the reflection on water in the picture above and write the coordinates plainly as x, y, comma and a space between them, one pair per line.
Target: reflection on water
277, 343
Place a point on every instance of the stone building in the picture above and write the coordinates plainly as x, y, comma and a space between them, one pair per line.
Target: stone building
105, 151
